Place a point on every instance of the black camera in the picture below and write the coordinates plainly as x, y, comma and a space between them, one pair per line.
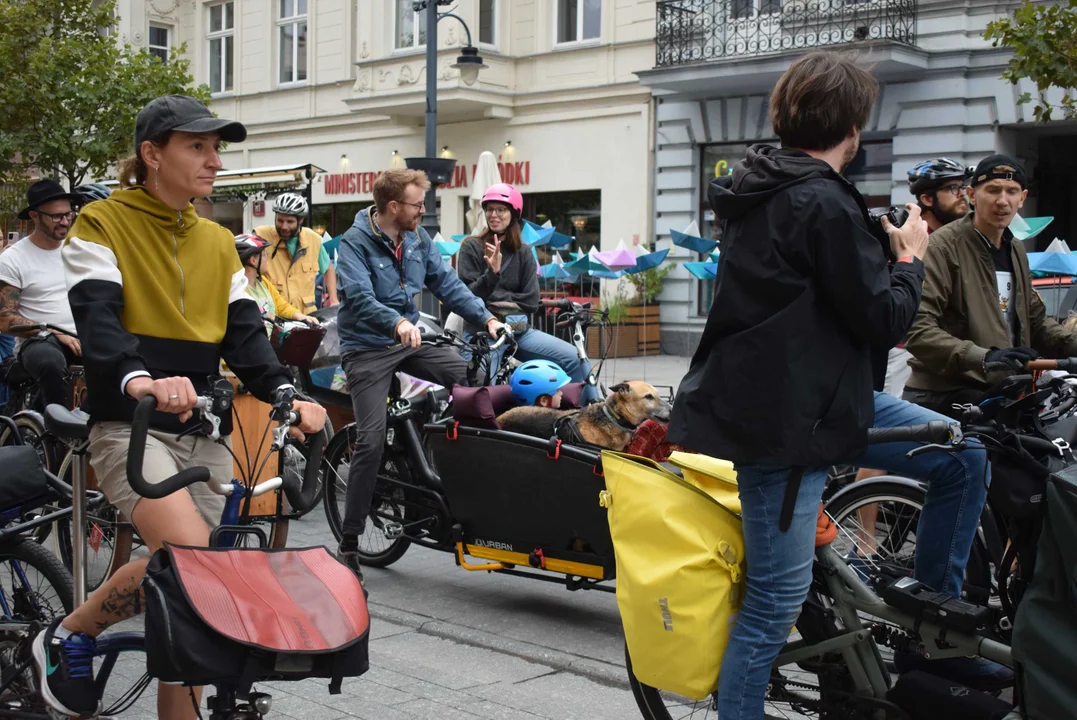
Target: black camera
895, 214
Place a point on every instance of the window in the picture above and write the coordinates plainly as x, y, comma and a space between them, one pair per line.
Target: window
741, 9
407, 20
221, 46
578, 20
292, 41
487, 22
160, 41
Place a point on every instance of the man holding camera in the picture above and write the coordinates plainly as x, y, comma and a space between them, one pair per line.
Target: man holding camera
807, 303
978, 307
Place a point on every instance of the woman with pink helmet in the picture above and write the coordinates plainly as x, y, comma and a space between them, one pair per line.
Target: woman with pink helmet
501, 270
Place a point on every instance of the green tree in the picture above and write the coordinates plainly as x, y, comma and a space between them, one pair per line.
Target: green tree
1042, 39
71, 92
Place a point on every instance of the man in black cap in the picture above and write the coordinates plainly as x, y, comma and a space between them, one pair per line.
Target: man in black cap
979, 315
33, 290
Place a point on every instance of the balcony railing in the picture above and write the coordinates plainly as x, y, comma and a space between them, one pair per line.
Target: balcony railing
690, 31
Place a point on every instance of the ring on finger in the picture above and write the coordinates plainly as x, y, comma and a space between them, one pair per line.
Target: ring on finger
173, 397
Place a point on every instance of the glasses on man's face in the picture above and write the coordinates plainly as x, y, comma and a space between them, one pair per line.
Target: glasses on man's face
417, 206
956, 190
498, 211
59, 217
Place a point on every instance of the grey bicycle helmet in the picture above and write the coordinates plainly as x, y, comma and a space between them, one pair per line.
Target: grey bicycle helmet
291, 204
90, 192
932, 174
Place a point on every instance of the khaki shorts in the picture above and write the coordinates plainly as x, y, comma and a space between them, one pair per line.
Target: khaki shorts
165, 456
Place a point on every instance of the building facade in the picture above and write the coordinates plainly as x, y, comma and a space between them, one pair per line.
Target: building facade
941, 94
335, 90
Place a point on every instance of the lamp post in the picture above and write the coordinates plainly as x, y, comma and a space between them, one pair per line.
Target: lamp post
469, 62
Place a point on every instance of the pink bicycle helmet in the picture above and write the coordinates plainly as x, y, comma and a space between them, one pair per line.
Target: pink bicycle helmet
505, 193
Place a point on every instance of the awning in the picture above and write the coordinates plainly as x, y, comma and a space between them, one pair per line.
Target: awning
278, 178
240, 183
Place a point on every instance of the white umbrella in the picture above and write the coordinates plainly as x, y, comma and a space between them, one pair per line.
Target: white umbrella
486, 174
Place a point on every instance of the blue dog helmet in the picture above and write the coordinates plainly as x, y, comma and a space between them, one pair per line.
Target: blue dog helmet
536, 378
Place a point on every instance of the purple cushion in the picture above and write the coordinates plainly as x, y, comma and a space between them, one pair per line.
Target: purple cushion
480, 406
571, 395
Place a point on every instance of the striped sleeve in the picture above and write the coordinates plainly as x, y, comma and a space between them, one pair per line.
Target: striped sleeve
95, 292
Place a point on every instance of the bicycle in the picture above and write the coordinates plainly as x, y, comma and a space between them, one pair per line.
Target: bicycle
579, 317
1011, 418
35, 587
398, 463
230, 703
110, 536
833, 667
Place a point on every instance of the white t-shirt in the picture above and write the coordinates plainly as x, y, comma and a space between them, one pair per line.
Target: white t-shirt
39, 275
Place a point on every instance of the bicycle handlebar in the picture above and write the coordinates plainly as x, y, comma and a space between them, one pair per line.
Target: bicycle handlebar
1066, 364
300, 498
936, 432
140, 425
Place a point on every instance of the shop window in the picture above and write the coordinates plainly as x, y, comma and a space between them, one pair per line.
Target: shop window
336, 218
160, 41
221, 46
410, 25
292, 42
870, 171
577, 214
716, 160
578, 20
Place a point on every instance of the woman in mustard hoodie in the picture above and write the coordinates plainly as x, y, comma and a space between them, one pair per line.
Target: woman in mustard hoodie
159, 297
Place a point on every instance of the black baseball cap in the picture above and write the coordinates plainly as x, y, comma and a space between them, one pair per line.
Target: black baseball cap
186, 114
1000, 167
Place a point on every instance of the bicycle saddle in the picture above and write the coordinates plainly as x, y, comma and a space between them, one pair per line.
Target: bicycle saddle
69, 424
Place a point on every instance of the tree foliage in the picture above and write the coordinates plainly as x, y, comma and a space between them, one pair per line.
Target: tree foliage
71, 91
1042, 39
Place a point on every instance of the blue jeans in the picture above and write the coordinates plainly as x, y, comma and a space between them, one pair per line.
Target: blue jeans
536, 345
780, 564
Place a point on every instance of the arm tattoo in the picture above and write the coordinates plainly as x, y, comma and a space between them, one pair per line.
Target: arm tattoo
9, 307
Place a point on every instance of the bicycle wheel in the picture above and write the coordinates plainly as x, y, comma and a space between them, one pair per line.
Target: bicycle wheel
109, 537
375, 549
877, 521
34, 584
793, 692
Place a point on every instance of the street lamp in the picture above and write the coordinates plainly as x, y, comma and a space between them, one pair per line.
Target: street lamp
469, 62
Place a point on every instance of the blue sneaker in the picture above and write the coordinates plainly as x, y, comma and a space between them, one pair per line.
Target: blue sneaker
973, 672
65, 671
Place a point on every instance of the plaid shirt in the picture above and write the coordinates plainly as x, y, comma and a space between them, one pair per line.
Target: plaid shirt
649, 441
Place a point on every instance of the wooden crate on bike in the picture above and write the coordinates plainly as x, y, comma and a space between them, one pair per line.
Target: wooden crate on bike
253, 415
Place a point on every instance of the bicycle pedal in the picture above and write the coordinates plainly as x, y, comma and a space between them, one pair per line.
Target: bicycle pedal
393, 530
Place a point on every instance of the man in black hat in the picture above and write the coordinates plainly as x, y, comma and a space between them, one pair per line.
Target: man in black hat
33, 290
979, 312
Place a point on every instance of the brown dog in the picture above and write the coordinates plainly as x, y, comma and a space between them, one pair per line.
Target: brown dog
608, 425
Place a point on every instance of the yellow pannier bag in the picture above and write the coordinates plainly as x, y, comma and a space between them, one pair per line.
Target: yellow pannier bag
680, 566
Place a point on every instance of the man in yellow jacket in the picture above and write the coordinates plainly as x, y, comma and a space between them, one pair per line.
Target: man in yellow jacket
296, 255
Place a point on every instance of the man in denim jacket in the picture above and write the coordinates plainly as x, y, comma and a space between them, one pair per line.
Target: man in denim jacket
385, 260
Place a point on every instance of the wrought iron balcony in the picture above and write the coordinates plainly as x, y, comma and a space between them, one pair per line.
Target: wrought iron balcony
692, 31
